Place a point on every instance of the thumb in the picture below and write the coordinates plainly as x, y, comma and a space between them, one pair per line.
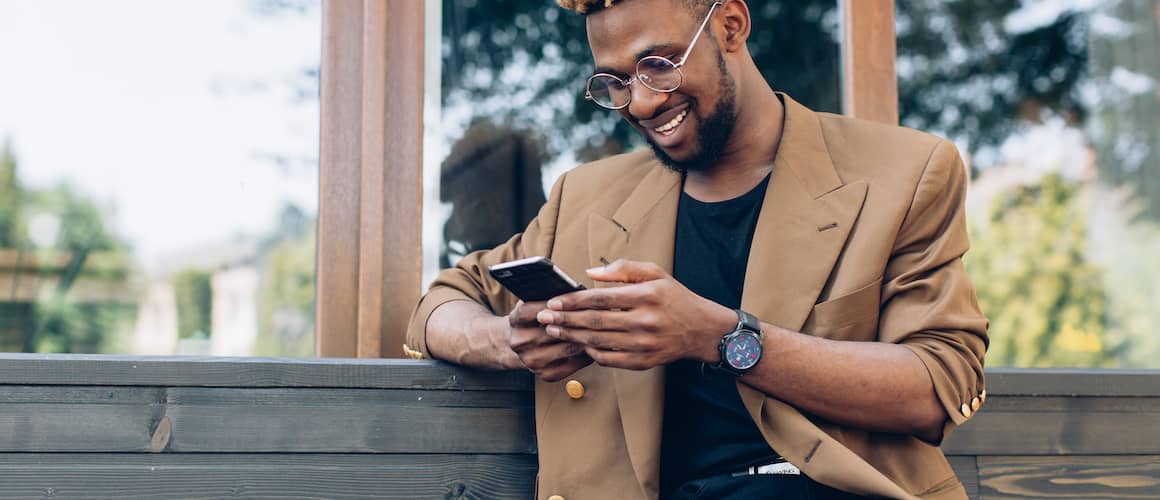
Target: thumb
627, 271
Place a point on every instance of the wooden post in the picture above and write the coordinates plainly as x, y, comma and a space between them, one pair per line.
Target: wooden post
870, 85
369, 229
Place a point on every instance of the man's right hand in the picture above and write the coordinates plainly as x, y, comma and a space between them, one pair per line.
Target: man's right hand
549, 358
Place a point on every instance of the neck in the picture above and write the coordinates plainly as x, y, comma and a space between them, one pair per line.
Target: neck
749, 153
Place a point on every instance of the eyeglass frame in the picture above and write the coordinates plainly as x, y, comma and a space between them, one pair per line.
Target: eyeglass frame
636, 78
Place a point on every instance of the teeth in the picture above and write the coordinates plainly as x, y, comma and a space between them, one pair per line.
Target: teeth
672, 123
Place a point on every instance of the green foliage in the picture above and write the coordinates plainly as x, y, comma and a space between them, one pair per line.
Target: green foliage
56, 322
286, 294
67, 327
1046, 303
9, 197
193, 289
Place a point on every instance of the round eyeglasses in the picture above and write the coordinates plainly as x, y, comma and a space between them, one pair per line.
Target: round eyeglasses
656, 73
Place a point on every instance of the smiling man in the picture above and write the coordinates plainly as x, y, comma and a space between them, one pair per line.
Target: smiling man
776, 302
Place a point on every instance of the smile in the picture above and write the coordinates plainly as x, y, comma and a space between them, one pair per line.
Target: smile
668, 128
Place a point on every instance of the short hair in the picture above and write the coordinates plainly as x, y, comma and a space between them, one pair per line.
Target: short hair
585, 7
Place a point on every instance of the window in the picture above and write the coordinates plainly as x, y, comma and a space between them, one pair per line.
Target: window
158, 176
1057, 108
509, 84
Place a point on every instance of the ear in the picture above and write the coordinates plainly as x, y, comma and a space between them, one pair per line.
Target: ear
736, 27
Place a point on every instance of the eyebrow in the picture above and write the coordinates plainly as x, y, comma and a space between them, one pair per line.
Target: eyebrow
648, 51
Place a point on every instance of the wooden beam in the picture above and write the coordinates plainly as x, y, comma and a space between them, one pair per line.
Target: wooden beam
203, 371
336, 292
402, 250
299, 475
372, 103
869, 81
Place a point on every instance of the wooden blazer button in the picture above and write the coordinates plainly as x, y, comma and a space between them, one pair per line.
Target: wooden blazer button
966, 410
556, 497
983, 396
975, 404
575, 389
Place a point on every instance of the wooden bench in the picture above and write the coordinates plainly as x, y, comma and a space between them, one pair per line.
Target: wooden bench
161, 427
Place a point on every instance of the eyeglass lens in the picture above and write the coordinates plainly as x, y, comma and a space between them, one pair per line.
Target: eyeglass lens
656, 73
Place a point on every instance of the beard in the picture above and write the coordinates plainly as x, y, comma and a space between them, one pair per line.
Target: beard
714, 131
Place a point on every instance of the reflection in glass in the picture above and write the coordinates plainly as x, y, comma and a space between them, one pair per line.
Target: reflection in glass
514, 72
1057, 106
158, 176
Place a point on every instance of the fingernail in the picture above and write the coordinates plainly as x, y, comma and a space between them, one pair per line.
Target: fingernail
597, 269
555, 304
553, 330
545, 317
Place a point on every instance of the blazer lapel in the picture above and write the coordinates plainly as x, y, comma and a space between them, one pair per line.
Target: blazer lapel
643, 228
807, 215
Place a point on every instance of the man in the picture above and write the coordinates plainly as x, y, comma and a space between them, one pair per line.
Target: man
820, 255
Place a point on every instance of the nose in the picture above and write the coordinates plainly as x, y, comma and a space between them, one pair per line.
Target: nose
645, 101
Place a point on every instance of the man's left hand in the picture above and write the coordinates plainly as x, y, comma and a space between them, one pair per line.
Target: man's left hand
650, 321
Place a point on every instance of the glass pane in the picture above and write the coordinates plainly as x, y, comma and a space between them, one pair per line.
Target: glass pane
158, 176
506, 115
1057, 107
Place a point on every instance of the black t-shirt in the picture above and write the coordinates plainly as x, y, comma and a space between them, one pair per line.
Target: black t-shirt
707, 430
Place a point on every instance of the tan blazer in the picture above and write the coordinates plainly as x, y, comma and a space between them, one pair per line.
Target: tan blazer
859, 238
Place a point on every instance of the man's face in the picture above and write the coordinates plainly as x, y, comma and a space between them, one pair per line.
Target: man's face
687, 128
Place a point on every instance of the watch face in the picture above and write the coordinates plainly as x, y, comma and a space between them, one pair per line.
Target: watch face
743, 351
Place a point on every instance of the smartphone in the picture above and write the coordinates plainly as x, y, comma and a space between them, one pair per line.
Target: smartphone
534, 279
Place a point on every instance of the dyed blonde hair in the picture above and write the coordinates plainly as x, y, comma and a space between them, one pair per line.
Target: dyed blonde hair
585, 6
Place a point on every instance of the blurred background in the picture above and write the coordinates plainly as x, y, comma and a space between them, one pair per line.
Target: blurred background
159, 160
158, 176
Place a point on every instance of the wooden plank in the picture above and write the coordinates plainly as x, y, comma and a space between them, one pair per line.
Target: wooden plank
138, 419
182, 476
172, 371
78, 419
1072, 382
403, 164
336, 298
1088, 477
967, 468
374, 188
1060, 426
869, 82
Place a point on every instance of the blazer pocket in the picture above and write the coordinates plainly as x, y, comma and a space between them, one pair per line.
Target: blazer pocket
853, 316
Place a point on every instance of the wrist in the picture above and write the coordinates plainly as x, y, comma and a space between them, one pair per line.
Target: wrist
499, 333
723, 321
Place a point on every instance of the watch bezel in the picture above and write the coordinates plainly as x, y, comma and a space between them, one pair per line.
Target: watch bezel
747, 325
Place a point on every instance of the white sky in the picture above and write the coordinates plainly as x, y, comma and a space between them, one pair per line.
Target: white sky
117, 98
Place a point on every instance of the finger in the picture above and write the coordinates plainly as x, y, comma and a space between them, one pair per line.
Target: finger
600, 339
522, 339
565, 368
627, 271
543, 357
525, 314
621, 297
619, 359
591, 319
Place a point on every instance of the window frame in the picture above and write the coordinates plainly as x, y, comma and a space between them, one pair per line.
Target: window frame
370, 271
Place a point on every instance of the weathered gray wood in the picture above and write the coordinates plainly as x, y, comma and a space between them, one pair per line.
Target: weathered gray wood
1087, 478
968, 471
1072, 382
1060, 426
195, 419
82, 369
189, 476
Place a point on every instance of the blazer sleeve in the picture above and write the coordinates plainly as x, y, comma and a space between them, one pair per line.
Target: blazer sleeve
469, 279
928, 302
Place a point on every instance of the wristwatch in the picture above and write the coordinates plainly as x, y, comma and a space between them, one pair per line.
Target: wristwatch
741, 348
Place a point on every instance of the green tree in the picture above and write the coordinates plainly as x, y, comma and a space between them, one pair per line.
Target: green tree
193, 289
286, 293
1046, 303
9, 197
